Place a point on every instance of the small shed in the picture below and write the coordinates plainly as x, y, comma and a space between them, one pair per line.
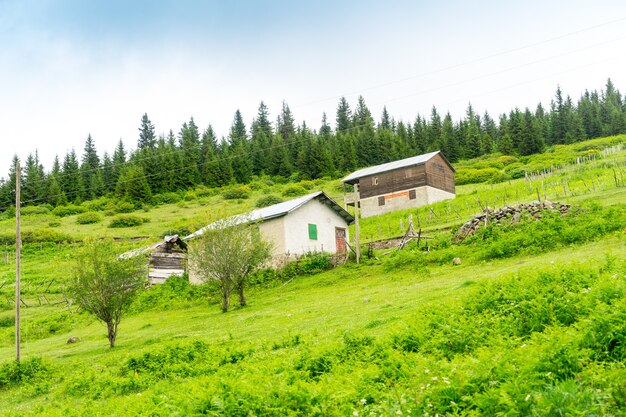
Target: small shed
398, 185
168, 258
311, 223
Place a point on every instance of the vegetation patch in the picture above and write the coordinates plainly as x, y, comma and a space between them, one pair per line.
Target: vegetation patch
127, 220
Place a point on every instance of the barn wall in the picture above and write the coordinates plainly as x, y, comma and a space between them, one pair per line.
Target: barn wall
400, 200
392, 181
439, 175
297, 228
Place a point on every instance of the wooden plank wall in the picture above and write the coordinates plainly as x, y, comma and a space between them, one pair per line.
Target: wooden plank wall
439, 174
392, 181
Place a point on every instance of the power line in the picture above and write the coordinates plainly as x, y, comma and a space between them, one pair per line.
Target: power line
472, 61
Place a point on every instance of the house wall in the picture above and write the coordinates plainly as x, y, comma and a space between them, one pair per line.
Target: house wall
296, 228
274, 231
400, 200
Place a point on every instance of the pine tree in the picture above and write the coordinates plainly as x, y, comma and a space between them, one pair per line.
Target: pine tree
449, 141
147, 136
71, 180
90, 171
189, 139
208, 162
261, 136
133, 186
240, 150
224, 174
433, 132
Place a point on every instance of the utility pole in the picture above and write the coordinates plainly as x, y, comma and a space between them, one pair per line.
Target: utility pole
357, 229
18, 249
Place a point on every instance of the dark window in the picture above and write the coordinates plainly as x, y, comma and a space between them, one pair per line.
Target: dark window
412, 195
381, 201
312, 231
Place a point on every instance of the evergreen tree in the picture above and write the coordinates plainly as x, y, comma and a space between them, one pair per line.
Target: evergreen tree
279, 159
449, 141
532, 141
147, 136
133, 186
208, 164
472, 147
90, 171
71, 180
224, 174
261, 136
433, 132
119, 160
189, 139
240, 150
286, 127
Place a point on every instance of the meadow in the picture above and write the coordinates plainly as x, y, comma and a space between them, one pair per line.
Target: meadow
532, 322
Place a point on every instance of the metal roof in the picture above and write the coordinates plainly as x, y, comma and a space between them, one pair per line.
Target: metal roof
390, 166
278, 210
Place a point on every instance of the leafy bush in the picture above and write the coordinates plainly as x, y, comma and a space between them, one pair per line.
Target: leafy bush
127, 220
474, 176
236, 193
294, 191
167, 198
124, 207
175, 291
268, 200
31, 210
69, 210
414, 259
54, 223
15, 373
98, 204
89, 217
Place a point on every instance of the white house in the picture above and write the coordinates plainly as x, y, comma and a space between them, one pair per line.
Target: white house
310, 223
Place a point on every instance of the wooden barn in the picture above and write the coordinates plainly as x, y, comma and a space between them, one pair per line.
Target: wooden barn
398, 185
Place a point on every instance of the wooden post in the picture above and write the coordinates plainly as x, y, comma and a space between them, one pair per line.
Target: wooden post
18, 249
357, 229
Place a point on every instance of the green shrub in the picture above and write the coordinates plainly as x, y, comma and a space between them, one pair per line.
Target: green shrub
69, 210
268, 200
98, 204
127, 220
475, 176
166, 198
507, 160
26, 371
54, 223
413, 259
89, 217
31, 210
294, 191
236, 193
124, 207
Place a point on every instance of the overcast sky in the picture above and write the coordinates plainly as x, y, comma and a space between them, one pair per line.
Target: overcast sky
73, 68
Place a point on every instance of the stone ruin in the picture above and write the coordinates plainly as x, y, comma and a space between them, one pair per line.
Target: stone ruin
510, 214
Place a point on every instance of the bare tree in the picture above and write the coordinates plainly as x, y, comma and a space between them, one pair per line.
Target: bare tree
105, 284
226, 254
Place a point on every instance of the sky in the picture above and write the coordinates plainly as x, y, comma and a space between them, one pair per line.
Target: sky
70, 68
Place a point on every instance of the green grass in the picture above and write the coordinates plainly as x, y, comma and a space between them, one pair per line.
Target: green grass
530, 323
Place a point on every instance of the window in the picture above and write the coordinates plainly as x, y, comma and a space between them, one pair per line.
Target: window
312, 231
374, 180
381, 201
412, 195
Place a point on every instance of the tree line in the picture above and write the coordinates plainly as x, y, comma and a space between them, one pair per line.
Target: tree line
195, 156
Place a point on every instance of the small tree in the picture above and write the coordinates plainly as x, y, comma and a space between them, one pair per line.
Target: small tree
226, 254
104, 284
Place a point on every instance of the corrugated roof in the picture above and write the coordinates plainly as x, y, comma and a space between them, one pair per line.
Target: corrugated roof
278, 210
390, 166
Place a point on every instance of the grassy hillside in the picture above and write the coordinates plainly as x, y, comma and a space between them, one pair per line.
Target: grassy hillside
532, 322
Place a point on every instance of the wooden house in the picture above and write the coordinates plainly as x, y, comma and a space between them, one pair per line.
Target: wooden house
311, 223
406, 183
